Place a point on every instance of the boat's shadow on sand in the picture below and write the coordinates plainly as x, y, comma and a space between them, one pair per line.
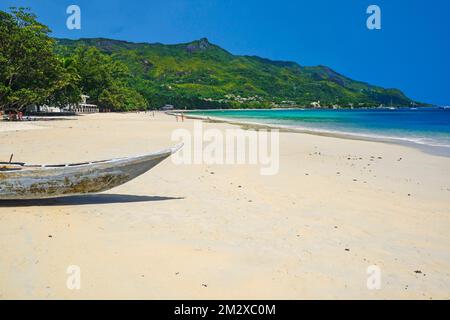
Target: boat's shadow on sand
85, 200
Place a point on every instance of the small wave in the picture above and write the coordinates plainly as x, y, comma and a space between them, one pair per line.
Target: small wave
375, 136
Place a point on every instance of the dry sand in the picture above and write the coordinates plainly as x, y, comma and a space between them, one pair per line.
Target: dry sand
225, 231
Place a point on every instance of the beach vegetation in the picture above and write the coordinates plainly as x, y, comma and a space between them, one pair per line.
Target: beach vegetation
30, 71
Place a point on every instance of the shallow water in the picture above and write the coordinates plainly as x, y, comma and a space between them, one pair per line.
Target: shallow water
428, 127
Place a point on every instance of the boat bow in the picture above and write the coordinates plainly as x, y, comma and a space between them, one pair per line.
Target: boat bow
23, 181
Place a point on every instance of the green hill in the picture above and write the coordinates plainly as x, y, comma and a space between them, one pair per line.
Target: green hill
203, 75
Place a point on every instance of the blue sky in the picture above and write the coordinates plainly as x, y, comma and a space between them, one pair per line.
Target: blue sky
411, 51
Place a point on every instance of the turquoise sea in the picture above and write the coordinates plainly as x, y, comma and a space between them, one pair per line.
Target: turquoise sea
422, 127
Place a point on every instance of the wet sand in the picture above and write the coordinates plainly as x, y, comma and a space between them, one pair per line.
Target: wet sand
336, 207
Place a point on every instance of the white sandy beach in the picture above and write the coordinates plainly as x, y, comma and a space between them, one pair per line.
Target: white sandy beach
226, 231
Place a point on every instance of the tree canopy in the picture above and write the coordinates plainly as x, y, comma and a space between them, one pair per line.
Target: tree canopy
32, 73
106, 80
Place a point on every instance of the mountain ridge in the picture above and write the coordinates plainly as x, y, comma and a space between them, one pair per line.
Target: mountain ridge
200, 74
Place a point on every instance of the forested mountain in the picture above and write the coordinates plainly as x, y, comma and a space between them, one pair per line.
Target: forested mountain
200, 74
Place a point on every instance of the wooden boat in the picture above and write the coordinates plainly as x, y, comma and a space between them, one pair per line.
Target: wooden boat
26, 181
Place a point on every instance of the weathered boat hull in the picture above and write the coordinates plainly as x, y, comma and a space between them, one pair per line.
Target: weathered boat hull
33, 182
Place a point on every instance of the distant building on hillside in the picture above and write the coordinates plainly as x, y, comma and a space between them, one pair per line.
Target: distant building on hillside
316, 104
167, 107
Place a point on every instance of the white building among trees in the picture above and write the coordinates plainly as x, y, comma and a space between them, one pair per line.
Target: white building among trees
81, 107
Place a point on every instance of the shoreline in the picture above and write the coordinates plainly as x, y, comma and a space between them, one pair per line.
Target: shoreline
248, 125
